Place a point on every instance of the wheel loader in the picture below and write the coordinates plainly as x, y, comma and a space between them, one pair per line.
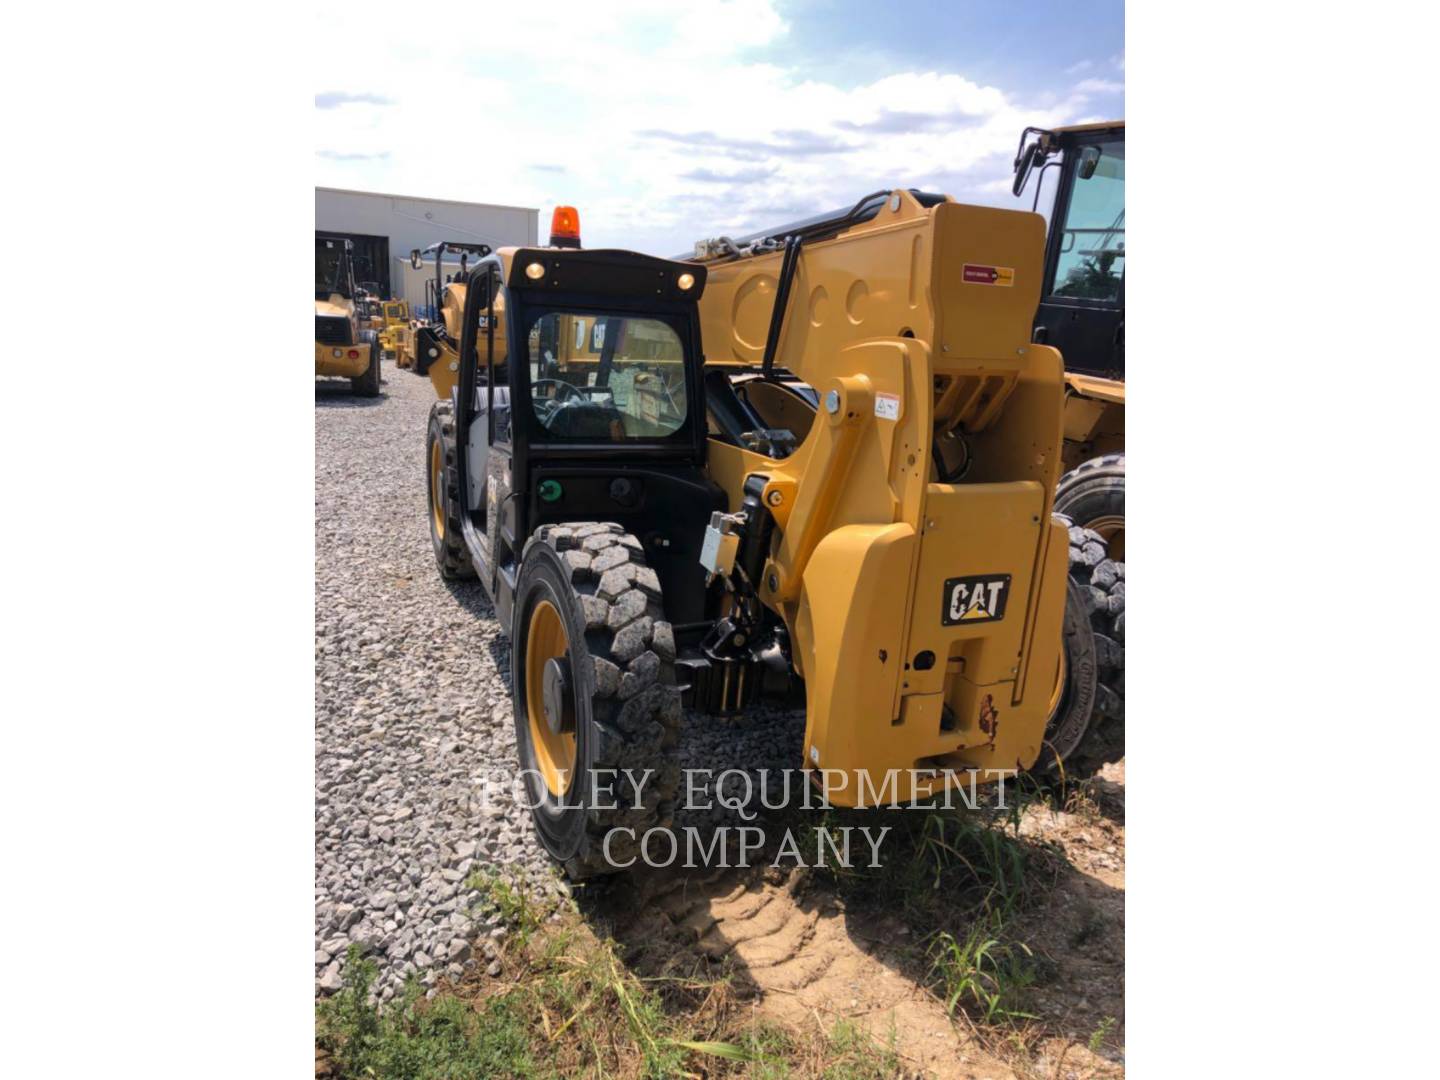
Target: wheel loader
343, 347
1082, 311
609, 464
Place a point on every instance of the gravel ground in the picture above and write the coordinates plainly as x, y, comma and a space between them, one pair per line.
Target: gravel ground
414, 735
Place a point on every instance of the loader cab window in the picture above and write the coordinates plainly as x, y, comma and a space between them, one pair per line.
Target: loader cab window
607, 378
332, 270
1091, 258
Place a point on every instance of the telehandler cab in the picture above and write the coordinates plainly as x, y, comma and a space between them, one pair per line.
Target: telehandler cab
343, 346
1082, 312
648, 534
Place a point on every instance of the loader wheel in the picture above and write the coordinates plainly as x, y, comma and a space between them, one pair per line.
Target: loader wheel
1072, 703
591, 667
1086, 729
451, 554
1092, 495
368, 385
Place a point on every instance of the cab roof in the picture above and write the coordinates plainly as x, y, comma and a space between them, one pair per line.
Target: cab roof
1103, 125
601, 270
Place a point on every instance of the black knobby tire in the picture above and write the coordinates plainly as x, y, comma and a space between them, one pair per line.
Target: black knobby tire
368, 384
621, 654
1092, 495
1099, 587
451, 555
1071, 715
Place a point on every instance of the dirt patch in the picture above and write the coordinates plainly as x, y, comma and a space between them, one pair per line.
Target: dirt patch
804, 960
1080, 932
805, 955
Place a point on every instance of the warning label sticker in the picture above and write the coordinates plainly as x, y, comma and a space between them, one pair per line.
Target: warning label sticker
975, 274
887, 406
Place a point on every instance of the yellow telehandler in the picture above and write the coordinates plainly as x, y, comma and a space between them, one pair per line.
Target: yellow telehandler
429, 347
609, 463
1086, 725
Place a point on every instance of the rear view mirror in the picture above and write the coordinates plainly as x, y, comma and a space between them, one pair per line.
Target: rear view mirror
1029, 155
1089, 159
414, 258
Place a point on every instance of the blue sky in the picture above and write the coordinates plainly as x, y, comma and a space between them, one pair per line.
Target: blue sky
664, 122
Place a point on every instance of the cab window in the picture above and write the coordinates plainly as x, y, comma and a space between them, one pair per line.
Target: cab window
1091, 262
607, 378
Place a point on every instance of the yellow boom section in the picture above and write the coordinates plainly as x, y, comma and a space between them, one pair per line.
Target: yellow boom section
925, 616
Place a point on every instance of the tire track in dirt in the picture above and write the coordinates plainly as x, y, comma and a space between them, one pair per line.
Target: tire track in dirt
791, 947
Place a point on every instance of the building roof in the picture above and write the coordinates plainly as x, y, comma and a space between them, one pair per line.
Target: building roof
426, 198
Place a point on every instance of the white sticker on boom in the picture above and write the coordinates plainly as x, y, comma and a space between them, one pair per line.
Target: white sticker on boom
887, 406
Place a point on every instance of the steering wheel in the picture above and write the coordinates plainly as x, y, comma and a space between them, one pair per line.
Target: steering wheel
562, 384
545, 408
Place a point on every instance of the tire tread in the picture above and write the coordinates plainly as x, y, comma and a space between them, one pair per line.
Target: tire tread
636, 706
1102, 584
451, 555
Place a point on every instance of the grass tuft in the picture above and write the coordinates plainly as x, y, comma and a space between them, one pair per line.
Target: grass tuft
511, 898
984, 972
854, 1055
414, 1038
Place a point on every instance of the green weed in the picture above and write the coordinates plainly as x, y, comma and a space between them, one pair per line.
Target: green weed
1101, 1033
417, 1039
983, 971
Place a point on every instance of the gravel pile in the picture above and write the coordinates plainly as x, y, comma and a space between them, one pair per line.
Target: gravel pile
414, 736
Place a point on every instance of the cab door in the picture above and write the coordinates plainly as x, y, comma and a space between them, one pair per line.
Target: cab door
1082, 305
490, 447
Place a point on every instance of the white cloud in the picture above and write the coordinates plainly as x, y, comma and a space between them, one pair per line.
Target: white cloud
332, 99
1076, 68
1099, 86
652, 117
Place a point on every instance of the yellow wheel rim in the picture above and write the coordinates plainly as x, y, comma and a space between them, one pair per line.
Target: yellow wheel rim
554, 751
1112, 528
437, 501
1056, 695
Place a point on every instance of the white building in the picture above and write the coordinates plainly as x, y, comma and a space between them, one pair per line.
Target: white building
385, 228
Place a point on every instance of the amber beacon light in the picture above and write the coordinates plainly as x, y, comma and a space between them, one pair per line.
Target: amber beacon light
565, 227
